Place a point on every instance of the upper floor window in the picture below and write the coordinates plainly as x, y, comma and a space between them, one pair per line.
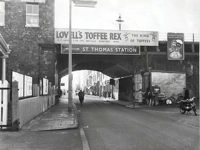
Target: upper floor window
2, 13
32, 15
34, 1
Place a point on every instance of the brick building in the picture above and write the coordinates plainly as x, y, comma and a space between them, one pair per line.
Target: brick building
28, 27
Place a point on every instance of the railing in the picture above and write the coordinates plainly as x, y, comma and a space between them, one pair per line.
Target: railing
188, 37
4, 97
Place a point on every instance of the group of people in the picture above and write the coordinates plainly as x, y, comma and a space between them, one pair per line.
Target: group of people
151, 97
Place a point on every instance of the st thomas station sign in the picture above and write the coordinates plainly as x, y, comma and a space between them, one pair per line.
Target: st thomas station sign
105, 42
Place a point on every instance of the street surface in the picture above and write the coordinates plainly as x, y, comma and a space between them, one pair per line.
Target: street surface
107, 126
112, 127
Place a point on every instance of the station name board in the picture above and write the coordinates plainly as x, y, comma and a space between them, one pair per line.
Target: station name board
101, 50
105, 37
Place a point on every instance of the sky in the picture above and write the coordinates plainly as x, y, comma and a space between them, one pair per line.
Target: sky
143, 15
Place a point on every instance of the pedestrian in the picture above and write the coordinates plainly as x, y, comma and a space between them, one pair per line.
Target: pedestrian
140, 96
148, 96
59, 92
186, 94
81, 95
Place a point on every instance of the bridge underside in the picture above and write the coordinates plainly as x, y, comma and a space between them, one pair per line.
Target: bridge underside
153, 58
111, 65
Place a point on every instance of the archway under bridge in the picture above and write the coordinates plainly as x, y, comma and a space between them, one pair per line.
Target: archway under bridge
114, 66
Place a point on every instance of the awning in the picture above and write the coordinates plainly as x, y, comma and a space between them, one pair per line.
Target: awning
4, 48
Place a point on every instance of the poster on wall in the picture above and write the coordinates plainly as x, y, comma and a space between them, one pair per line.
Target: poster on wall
170, 83
28, 86
175, 46
138, 86
20, 79
45, 86
41, 87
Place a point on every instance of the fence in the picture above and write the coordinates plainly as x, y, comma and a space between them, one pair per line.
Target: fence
4, 98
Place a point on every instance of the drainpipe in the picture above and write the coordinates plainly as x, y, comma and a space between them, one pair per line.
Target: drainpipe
146, 58
3, 69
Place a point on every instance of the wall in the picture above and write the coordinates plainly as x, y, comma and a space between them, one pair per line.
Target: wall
31, 107
126, 89
25, 42
160, 62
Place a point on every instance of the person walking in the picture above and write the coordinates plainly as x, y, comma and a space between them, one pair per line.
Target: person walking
148, 96
186, 94
81, 95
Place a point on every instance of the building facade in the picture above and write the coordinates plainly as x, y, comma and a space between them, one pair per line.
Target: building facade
28, 27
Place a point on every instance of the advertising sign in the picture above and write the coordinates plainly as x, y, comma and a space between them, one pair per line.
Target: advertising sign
62, 84
45, 86
102, 50
170, 83
105, 37
138, 86
41, 87
20, 79
28, 86
175, 46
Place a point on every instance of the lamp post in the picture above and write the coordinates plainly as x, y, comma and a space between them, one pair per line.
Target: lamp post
119, 20
78, 3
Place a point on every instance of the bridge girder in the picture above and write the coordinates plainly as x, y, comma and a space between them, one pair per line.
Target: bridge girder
111, 65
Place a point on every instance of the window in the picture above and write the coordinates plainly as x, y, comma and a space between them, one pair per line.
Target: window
32, 15
2, 13
34, 1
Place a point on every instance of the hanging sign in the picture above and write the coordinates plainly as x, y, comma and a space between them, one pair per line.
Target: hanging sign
175, 46
105, 37
101, 49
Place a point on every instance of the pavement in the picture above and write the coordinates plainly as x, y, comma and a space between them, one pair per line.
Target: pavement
50, 130
170, 108
56, 118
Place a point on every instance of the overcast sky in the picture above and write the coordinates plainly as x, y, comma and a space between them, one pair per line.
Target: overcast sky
145, 15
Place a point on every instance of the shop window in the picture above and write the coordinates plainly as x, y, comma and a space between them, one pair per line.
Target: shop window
2, 13
32, 15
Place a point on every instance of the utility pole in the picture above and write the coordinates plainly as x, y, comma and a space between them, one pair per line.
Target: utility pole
70, 77
78, 3
193, 43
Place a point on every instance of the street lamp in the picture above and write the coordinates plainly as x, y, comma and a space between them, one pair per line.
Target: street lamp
79, 3
119, 20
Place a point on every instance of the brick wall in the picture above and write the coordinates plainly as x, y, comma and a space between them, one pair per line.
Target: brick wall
25, 41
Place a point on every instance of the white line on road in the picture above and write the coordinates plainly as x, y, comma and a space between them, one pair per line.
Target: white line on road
84, 140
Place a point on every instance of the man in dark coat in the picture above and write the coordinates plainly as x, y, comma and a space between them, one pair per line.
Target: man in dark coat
186, 94
81, 96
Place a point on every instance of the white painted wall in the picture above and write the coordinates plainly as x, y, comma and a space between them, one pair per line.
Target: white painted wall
31, 107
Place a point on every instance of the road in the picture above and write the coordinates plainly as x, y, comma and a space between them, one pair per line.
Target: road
108, 126
112, 127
